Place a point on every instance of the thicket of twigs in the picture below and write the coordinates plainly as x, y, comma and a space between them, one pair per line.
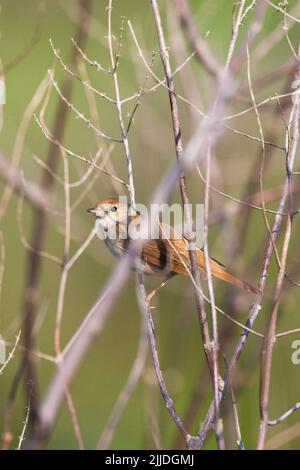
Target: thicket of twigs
212, 366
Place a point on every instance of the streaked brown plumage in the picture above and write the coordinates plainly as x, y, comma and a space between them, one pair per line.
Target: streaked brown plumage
160, 257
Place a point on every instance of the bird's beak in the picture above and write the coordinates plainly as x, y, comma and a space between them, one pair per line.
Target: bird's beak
92, 210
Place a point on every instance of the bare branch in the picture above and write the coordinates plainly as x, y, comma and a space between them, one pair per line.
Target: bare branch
197, 43
270, 335
31, 191
285, 415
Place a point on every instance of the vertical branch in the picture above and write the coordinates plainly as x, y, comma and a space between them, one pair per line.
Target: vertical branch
64, 273
25, 423
182, 180
61, 298
235, 30
114, 66
212, 347
215, 337
253, 312
141, 356
215, 342
141, 295
211, 415
254, 309
33, 268
270, 336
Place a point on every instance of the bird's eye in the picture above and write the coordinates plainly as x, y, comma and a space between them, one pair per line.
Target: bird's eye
113, 208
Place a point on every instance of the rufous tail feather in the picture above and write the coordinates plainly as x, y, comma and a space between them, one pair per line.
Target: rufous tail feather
219, 271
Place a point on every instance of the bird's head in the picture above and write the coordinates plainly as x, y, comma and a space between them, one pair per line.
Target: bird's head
109, 210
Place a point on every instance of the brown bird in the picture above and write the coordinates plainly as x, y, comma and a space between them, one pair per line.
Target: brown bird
159, 257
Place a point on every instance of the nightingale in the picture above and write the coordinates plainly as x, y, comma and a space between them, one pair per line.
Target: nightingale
158, 257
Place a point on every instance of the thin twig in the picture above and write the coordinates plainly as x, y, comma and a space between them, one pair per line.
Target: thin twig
279, 8
25, 423
77, 77
79, 114
197, 43
239, 440
11, 354
19, 142
119, 109
141, 295
285, 415
92, 63
182, 98
75, 155
270, 335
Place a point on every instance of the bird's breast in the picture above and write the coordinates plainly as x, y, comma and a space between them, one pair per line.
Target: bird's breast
115, 246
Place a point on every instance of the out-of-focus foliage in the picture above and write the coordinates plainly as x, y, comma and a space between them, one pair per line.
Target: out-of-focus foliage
105, 368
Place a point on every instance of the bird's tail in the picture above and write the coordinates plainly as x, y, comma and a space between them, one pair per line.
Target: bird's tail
219, 271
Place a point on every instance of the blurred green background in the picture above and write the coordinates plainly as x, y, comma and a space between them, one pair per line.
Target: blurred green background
96, 386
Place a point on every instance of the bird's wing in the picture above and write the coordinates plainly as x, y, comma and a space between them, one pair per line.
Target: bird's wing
167, 253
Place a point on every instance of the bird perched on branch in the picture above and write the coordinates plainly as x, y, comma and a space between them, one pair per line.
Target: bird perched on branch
162, 256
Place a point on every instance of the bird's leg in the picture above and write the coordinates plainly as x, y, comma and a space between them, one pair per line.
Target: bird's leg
160, 286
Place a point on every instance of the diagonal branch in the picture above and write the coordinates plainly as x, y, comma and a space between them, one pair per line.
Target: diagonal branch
32, 192
197, 43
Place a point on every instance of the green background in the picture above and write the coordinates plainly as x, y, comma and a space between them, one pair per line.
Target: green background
105, 368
